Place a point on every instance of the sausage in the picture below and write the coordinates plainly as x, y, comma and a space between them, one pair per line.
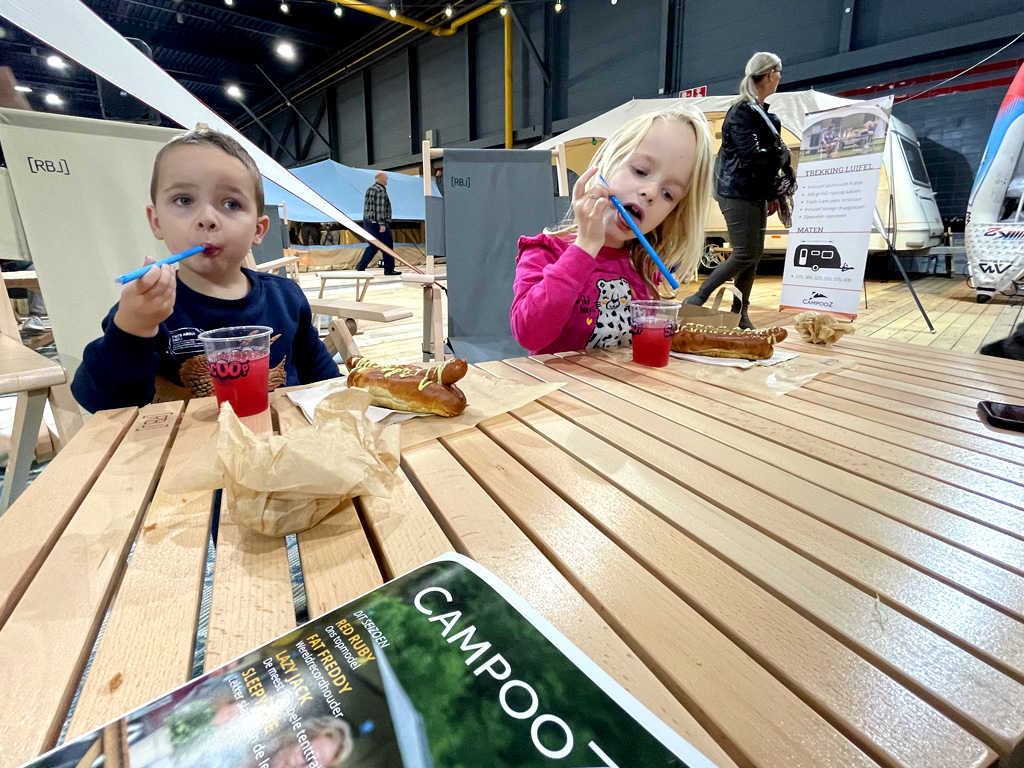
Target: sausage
411, 388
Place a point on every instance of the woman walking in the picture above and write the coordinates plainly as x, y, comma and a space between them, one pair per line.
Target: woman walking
748, 163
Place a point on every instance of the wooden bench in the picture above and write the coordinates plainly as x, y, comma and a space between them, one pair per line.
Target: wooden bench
24, 279
289, 263
35, 380
362, 280
351, 312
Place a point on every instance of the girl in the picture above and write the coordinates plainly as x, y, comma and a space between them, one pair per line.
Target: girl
574, 283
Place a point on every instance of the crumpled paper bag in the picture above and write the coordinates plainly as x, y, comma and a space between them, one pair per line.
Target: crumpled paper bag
819, 328
281, 484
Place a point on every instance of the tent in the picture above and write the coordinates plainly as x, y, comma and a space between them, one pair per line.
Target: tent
344, 187
790, 107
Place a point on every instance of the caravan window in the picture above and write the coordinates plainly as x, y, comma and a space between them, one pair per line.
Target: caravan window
915, 162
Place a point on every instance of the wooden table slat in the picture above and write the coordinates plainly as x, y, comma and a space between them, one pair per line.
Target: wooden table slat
66, 600
147, 647
252, 586
337, 562
30, 528
481, 530
407, 535
976, 450
885, 397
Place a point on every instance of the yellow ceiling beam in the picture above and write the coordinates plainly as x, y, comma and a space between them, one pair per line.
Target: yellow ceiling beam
374, 10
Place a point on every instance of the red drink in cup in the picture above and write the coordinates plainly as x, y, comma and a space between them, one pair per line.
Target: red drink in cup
654, 324
239, 362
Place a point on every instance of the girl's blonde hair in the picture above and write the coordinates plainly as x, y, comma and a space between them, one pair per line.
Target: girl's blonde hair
679, 239
758, 67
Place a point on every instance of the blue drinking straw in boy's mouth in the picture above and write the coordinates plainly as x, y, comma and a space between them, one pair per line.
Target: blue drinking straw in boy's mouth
136, 274
628, 218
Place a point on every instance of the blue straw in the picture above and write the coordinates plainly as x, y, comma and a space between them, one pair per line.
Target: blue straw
628, 218
136, 274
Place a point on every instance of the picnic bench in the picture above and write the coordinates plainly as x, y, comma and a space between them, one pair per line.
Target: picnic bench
290, 264
353, 311
361, 280
834, 577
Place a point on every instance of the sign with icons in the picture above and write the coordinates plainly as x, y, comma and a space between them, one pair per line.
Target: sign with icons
837, 182
692, 93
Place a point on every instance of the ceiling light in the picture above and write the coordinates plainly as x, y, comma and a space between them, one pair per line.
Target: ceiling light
229, 3
23, 89
448, 10
54, 99
558, 6
503, 10
615, 2
284, 8
286, 51
56, 61
234, 91
337, 11
393, 12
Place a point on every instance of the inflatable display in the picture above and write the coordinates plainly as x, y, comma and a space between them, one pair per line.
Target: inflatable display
994, 232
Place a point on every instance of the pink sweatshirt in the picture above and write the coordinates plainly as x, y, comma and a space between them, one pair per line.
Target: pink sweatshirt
566, 300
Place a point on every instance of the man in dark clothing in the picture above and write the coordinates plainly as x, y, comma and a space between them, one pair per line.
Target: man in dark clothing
377, 220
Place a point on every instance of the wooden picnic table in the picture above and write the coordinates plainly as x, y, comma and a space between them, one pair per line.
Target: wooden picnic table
834, 577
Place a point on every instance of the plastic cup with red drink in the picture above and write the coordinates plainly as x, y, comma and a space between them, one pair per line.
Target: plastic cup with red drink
654, 325
239, 362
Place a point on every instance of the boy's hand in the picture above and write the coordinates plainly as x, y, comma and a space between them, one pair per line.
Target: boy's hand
147, 302
591, 207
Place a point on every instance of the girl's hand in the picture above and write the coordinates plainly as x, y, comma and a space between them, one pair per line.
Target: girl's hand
593, 210
147, 302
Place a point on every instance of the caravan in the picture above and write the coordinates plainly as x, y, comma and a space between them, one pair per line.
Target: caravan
904, 187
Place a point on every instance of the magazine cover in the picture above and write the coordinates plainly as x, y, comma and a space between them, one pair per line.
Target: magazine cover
443, 667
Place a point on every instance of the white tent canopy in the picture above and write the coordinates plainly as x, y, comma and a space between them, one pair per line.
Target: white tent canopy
790, 107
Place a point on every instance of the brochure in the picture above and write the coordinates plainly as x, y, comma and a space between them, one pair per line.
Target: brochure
444, 667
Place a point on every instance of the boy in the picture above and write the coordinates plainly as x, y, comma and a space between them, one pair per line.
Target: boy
206, 190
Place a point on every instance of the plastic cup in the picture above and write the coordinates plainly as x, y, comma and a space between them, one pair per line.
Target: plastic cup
654, 325
239, 361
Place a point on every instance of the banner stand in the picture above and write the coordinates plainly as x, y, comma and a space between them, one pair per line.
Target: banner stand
895, 257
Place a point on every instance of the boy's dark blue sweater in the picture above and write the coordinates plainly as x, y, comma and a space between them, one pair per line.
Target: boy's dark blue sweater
118, 368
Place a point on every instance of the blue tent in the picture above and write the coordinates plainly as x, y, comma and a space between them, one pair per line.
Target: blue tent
344, 188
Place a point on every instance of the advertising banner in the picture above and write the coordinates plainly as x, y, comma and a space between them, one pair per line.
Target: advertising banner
442, 667
840, 166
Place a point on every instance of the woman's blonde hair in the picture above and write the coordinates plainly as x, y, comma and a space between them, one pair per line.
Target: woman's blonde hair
760, 64
679, 239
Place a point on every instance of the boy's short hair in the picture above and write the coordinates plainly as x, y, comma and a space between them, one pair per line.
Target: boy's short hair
217, 140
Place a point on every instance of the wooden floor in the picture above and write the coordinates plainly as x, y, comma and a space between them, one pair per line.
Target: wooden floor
960, 323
